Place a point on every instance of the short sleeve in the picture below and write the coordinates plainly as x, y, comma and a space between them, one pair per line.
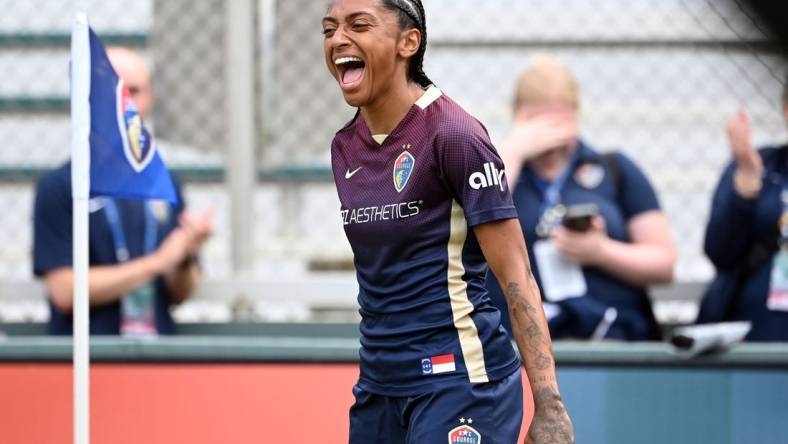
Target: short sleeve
181, 205
636, 193
52, 225
474, 175
176, 209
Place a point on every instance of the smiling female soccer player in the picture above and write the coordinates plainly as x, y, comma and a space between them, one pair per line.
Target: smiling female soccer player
426, 207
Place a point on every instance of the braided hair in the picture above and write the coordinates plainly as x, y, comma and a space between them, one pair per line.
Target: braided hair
411, 15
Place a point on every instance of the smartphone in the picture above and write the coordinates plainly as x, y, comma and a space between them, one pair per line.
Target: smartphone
579, 217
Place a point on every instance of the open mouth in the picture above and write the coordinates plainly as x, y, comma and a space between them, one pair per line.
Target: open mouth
351, 71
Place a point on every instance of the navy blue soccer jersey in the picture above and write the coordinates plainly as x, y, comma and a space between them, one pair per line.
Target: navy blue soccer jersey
408, 205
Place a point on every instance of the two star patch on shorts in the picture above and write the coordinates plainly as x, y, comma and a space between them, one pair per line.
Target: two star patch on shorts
465, 434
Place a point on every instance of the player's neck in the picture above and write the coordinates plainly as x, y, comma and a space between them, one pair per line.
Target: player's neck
387, 111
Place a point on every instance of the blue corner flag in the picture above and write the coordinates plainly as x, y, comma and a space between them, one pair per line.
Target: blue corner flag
124, 160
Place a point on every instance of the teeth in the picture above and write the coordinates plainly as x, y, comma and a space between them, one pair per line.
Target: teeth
344, 60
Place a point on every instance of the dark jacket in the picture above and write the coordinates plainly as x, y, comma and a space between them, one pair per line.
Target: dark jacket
741, 240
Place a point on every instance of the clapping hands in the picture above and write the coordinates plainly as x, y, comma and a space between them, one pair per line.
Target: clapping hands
186, 239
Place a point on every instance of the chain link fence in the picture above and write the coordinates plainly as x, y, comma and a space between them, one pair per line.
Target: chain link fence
658, 80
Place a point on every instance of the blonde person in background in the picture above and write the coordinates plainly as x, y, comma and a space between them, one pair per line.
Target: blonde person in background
747, 236
595, 232
142, 254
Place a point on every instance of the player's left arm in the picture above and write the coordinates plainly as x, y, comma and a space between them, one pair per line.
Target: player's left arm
504, 248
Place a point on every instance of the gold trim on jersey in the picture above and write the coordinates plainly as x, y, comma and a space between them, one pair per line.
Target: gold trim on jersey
430, 95
461, 306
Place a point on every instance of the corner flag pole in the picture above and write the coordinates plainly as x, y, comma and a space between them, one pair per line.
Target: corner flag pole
80, 186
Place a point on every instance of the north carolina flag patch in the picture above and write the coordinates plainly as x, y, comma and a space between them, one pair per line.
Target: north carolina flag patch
438, 364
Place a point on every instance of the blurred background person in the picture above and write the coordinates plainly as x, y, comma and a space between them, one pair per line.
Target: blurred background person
747, 236
142, 253
596, 235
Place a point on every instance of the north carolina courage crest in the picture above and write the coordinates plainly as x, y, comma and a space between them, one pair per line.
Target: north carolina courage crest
137, 143
464, 434
403, 168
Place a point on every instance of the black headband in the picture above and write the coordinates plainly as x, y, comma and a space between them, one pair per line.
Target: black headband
411, 11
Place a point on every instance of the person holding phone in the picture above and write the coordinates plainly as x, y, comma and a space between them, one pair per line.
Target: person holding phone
595, 232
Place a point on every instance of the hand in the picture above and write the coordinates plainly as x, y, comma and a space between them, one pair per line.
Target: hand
198, 228
535, 133
749, 166
185, 240
173, 250
584, 247
551, 423
740, 139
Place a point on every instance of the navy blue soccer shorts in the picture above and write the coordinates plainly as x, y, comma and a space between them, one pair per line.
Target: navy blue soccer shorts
465, 413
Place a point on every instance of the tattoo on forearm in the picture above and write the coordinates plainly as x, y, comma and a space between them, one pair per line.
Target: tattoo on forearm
541, 379
551, 423
547, 394
540, 355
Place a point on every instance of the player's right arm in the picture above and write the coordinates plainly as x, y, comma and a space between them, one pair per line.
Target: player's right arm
504, 248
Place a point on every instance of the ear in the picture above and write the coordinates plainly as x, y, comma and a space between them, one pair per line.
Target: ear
409, 43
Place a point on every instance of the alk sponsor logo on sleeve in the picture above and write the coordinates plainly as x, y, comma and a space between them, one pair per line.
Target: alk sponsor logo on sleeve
438, 364
490, 177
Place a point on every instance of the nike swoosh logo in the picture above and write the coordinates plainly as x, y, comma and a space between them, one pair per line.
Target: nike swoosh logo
350, 174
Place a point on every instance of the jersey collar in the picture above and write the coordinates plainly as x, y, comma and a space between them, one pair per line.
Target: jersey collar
430, 96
